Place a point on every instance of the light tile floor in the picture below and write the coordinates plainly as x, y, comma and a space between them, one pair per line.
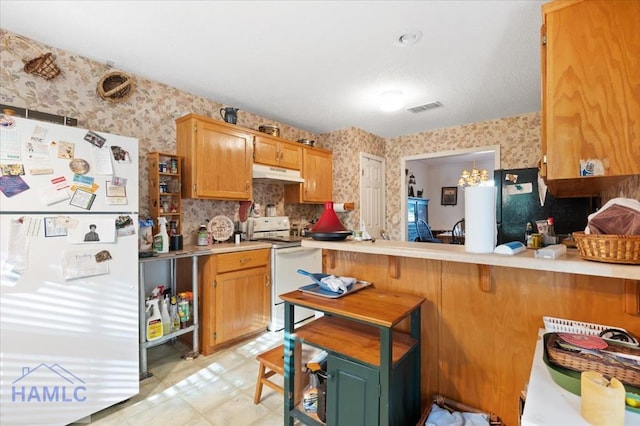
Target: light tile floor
214, 390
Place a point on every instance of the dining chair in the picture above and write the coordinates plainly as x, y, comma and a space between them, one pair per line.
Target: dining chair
457, 232
425, 235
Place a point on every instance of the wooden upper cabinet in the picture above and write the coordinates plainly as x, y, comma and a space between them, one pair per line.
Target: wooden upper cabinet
276, 152
217, 159
590, 93
317, 171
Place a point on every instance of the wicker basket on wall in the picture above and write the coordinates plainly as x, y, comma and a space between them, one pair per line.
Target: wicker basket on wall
43, 65
115, 87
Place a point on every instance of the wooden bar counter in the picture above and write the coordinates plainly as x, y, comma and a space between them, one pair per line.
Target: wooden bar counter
483, 311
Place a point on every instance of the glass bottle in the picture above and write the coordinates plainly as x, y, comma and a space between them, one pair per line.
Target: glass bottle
527, 234
203, 236
551, 237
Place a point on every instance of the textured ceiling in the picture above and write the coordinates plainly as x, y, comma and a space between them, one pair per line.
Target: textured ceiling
315, 65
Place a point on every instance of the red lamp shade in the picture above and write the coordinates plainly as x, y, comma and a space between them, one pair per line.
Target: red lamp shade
328, 221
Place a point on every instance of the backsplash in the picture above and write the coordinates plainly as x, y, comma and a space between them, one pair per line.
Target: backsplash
150, 114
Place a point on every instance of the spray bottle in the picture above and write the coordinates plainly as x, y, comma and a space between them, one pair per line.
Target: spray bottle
161, 239
154, 322
164, 314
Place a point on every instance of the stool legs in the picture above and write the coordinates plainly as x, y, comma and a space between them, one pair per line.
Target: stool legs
258, 394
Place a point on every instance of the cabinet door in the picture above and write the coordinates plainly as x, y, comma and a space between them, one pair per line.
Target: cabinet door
223, 162
317, 171
279, 153
352, 393
241, 303
290, 156
591, 87
266, 151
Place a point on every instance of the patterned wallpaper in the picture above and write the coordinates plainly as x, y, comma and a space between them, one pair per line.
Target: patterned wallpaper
150, 113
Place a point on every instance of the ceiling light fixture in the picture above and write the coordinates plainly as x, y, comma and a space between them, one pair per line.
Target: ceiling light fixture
391, 100
476, 177
408, 38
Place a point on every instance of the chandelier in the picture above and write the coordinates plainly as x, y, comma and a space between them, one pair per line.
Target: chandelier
476, 177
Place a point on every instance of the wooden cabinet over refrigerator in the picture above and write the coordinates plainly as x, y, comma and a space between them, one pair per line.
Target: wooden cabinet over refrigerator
590, 94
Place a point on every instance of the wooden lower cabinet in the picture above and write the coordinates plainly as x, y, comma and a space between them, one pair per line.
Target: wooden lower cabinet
235, 291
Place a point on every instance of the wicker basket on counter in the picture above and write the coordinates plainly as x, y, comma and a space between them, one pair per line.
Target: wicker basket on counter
609, 248
585, 362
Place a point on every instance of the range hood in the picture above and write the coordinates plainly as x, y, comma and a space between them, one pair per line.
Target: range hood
276, 174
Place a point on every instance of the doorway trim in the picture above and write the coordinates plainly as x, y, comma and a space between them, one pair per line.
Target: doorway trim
442, 154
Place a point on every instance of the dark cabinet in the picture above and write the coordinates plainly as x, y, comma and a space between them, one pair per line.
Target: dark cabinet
354, 382
417, 208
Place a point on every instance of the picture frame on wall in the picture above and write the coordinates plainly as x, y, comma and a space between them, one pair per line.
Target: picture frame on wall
449, 196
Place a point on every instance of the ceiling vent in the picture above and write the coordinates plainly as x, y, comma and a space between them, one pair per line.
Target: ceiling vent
425, 107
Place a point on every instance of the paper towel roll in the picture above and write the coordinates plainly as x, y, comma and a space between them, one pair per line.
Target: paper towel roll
342, 207
480, 231
602, 400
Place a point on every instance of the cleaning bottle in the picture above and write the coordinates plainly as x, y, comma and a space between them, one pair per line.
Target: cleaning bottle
175, 318
164, 314
310, 394
154, 322
161, 239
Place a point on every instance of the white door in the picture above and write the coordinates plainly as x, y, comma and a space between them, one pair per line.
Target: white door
372, 200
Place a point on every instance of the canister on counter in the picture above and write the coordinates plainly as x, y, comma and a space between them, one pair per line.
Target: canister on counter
535, 241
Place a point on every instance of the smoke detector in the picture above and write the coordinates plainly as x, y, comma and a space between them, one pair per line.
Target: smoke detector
425, 107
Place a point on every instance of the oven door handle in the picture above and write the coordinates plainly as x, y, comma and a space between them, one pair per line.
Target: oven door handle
294, 250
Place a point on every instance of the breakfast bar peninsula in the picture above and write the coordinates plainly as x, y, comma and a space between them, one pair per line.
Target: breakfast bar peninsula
480, 321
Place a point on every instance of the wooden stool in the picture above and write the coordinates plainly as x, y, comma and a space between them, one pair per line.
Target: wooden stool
273, 359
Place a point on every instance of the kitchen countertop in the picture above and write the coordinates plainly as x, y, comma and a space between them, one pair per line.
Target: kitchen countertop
193, 250
570, 263
548, 404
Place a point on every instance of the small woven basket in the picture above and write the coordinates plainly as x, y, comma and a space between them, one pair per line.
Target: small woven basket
585, 362
609, 248
43, 65
115, 87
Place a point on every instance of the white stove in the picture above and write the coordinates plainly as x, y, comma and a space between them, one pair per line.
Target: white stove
287, 256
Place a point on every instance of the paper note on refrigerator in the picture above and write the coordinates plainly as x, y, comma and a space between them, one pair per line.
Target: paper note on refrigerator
80, 264
520, 188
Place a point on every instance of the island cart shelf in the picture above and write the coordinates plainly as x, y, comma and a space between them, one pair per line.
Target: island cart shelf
364, 353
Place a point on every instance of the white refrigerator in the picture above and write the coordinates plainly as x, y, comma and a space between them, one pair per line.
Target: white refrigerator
69, 284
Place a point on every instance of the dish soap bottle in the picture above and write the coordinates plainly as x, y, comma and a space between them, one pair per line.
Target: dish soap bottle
161, 239
154, 322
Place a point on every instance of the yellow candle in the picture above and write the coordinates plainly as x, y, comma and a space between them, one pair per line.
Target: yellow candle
602, 399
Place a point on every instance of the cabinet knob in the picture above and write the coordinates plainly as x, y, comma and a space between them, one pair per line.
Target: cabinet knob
245, 260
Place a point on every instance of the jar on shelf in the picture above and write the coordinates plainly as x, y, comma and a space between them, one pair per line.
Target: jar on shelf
173, 165
164, 187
